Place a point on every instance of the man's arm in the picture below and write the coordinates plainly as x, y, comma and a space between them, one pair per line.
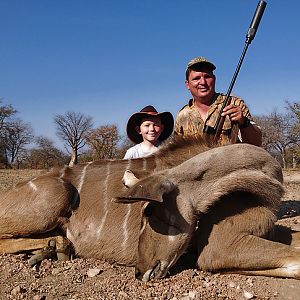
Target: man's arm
251, 135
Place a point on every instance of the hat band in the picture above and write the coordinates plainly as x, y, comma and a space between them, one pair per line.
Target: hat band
151, 112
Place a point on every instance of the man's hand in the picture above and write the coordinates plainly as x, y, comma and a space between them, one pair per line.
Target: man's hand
235, 113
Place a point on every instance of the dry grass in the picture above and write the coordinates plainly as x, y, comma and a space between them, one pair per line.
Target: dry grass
10, 178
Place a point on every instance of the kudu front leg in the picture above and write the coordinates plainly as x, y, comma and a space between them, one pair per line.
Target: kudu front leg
267, 258
236, 242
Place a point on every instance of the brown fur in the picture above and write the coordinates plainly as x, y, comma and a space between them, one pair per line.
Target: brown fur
231, 192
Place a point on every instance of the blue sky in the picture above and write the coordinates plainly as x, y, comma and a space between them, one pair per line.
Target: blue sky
108, 59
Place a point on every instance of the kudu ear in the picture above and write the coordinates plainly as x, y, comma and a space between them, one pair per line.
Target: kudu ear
151, 188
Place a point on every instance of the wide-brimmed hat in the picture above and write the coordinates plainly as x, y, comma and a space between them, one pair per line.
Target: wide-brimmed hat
149, 111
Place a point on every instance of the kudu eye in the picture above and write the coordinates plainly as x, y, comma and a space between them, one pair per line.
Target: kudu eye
148, 211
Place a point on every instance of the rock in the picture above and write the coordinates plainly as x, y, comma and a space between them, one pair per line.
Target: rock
93, 272
191, 273
123, 294
39, 297
248, 295
46, 264
18, 290
192, 294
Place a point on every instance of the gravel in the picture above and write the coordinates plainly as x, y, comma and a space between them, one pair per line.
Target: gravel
94, 279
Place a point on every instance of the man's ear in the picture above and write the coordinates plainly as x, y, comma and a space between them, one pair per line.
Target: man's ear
187, 84
151, 188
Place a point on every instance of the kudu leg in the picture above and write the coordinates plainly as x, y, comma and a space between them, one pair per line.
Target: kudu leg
295, 242
42, 246
35, 207
17, 245
286, 235
253, 255
32, 213
234, 242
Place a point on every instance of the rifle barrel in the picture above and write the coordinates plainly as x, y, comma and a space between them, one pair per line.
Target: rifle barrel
216, 130
225, 103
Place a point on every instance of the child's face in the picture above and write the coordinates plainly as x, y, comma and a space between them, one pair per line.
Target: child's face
150, 129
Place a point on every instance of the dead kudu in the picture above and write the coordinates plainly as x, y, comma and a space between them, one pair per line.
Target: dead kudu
224, 198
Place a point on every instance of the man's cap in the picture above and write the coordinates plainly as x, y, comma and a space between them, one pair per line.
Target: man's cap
149, 111
200, 61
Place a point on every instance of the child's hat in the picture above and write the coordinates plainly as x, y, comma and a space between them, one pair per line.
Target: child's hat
149, 111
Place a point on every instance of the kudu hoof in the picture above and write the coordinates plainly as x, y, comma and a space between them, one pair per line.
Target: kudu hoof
59, 248
64, 249
45, 253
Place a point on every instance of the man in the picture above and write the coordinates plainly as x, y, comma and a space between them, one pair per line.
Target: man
202, 110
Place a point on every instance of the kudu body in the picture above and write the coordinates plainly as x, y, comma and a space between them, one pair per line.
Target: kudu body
223, 198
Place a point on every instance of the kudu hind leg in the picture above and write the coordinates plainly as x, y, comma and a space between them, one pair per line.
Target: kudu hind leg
31, 212
35, 207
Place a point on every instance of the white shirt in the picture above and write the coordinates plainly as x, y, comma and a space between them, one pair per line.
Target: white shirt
138, 151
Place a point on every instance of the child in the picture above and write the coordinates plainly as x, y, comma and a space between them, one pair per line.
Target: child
148, 129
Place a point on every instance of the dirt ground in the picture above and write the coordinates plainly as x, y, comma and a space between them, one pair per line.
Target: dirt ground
92, 279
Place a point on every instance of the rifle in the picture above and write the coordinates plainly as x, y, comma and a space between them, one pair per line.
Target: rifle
217, 129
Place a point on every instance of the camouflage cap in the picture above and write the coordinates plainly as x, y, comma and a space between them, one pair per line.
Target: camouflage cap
200, 61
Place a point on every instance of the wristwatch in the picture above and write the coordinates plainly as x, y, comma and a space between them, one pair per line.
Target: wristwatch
246, 123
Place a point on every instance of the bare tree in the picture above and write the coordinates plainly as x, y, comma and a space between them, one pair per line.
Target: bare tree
103, 141
45, 155
294, 108
6, 112
125, 144
71, 128
17, 135
278, 133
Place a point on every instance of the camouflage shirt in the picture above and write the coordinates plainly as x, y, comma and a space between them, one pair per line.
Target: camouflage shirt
189, 122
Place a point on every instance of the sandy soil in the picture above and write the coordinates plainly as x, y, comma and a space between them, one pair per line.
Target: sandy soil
92, 279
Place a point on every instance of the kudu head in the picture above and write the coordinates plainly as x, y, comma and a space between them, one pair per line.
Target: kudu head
166, 227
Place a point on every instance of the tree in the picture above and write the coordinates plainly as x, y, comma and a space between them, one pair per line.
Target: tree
124, 146
71, 128
17, 135
6, 111
103, 141
279, 134
294, 108
45, 155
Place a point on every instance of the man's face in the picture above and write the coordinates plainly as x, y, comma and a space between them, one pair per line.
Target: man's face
201, 84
